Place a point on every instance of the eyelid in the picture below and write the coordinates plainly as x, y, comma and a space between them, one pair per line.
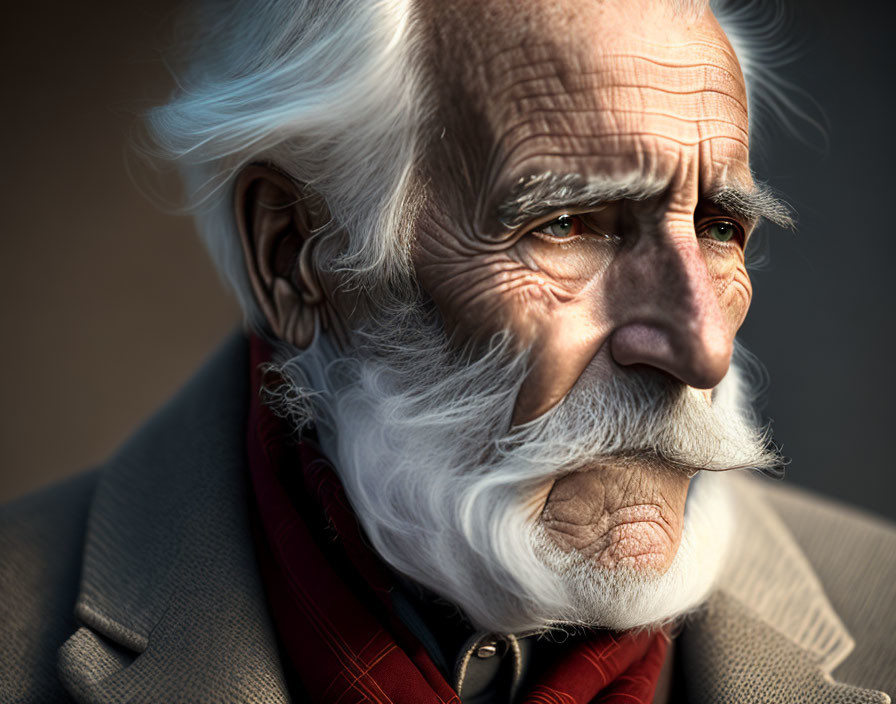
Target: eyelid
535, 228
559, 212
742, 231
739, 240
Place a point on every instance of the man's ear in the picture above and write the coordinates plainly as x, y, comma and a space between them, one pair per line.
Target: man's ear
277, 222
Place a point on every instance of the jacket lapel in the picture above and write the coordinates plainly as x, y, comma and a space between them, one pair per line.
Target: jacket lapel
769, 633
172, 607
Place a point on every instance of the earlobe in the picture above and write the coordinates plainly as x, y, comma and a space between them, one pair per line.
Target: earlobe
277, 230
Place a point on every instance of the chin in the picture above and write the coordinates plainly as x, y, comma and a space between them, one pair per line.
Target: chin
627, 513
643, 576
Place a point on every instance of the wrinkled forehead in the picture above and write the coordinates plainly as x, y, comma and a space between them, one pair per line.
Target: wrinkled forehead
587, 86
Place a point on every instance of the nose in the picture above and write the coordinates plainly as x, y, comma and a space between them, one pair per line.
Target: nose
669, 314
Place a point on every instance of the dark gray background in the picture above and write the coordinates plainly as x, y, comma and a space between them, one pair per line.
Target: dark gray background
822, 318
108, 305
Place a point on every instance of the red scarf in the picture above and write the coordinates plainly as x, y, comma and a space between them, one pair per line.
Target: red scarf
328, 594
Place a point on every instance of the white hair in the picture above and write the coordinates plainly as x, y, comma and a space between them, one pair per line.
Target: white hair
330, 92
326, 90
421, 439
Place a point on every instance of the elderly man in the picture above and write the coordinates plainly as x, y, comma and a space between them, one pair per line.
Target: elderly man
485, 441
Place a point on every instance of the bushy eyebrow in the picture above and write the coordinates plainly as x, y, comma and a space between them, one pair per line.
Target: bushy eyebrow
753, 204
541, 195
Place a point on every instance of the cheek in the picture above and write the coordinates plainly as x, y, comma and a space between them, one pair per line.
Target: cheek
484, 294
521, 289
732, 286
571, 269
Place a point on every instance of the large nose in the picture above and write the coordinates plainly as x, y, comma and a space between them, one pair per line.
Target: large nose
668, 314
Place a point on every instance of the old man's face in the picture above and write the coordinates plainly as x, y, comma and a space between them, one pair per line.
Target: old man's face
517, 428
590, 192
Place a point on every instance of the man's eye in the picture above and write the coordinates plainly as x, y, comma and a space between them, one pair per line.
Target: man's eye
722, 231
565, 227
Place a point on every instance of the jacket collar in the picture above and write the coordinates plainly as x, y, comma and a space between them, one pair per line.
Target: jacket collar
769, 620
173, 608
170, 597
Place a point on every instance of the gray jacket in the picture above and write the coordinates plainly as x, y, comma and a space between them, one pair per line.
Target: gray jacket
137, 582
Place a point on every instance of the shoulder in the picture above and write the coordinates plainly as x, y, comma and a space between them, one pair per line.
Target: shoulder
188, 455
854, 556
41, 544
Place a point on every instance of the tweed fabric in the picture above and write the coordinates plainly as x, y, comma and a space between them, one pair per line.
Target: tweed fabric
41, 539
731, 656
853, 553
768, 571
771, 588
171, 604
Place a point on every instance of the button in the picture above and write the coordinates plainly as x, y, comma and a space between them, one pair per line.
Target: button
487, 650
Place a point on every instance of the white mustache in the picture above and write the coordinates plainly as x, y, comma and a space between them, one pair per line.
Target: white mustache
647, 414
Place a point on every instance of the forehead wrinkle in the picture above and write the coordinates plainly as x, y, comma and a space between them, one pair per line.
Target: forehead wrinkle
715, 46
712, 71
715, 119
597, 86
715, 69
641, 88
543, 100
545, 62
674, 64
622, 111
723, 112
559, 154
518, 29
564, 133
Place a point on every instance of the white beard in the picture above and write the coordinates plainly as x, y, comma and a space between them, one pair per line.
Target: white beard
421, 441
